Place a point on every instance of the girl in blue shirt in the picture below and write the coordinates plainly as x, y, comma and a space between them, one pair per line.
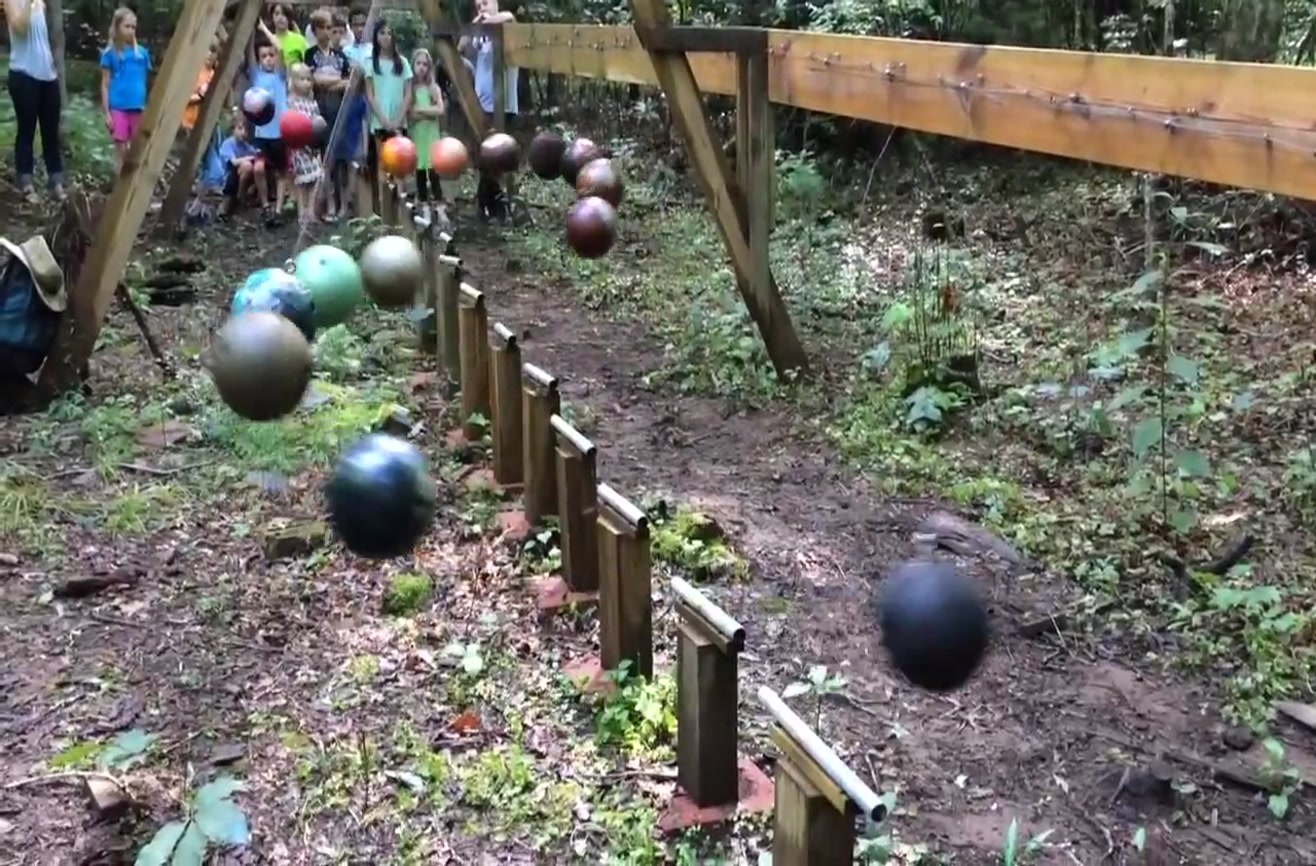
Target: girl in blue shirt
125, 66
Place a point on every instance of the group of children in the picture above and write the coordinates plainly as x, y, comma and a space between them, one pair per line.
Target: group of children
318, 78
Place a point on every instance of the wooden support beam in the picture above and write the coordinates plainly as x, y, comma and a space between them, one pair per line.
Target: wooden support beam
445, 48
708, 644
131, 198
449, 333
540, 402
231, 57
677, 80
508, 459
427, 304
625, 585
474, 328
755, 170
578, 507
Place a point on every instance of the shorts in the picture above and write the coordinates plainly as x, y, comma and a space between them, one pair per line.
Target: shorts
273, 154
124, 125
231, 182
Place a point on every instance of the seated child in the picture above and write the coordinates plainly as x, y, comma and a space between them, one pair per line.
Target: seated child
245, 170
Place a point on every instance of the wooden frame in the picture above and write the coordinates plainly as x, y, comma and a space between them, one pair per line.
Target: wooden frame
449, 279
818, 796
625, 585
473, 324
121, 220
505, 375
709, 643
578, 506
540, 402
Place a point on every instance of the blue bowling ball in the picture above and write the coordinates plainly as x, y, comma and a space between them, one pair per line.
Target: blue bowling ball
380, 498
934, 624
273, 290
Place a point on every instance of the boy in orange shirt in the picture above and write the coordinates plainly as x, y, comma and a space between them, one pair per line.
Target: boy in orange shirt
199, 92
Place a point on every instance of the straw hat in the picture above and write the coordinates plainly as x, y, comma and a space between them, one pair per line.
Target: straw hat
35, 255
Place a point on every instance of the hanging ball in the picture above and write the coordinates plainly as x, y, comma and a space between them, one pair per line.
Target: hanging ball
320, 128
392, 270
398, 156
258, 106
546, 152
577, 154
449, 157
334, 281
273, 290
261, 365
500, 154
381, 499
600, 178
591, 227
933, 623
297, 130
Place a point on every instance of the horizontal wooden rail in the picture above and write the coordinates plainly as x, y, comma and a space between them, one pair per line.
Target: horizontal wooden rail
1241, 124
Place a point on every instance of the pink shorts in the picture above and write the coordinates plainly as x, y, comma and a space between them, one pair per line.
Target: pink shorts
124, 124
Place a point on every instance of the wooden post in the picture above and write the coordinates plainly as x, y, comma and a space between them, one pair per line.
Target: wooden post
755, 165
625, 585
231, 57
91, 297
474, 328
578, 508
540, 402
818, 796
449, 335
707, 696
427, 324
505, 368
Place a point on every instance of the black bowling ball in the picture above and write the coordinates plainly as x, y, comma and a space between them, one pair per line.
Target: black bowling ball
933, 623
381, 499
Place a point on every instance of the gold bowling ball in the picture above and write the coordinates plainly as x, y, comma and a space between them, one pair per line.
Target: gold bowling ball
392, 270
261, 364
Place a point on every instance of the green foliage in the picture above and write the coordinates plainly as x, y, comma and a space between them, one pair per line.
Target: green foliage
818, 683
638, 715
213, 820
692, 543
407, 594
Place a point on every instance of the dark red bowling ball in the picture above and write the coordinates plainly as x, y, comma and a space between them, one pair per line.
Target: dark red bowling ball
546, 152
591, 227
600, 178
577, 154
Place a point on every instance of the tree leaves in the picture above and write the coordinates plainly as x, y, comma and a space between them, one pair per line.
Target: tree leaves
191, 850
126, 751
1147, 435
157, 852
223, 822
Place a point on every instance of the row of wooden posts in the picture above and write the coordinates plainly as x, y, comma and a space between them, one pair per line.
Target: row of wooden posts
605, 547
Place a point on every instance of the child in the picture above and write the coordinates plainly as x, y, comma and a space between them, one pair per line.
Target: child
244, 169
304, 161
266, 71
426, 110
124, 69
292, 44
331, 71
199, 91
388, 91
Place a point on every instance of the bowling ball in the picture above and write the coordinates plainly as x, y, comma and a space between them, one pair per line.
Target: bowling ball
600, 178
449, 157
273, 290
398, 156
296, 129
934, 624
321, 128
546, 152
392, 270
591, 227
500, 154
577, 154
258, 106
334, 281
381, 499
261, 364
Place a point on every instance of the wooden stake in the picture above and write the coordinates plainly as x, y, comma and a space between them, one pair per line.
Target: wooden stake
231, 57
505, 367
90, 299
540, 402
625, 585
474, 349
578, 510
449, 332
807, 831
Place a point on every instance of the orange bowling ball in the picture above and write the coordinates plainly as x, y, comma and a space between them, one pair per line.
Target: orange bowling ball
398, 156
449, 157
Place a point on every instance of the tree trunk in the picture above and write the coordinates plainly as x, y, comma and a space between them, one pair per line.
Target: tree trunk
1250, 30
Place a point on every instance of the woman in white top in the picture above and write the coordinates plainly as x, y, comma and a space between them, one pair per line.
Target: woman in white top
488, 193
34, 89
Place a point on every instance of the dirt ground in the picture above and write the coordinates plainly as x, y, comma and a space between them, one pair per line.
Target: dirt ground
231, 661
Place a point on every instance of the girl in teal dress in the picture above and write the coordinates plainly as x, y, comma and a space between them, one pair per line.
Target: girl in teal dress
427, 108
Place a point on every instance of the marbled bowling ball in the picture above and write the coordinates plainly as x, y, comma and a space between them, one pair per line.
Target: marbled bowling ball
381, 499
258, 106
934, 624
274, 290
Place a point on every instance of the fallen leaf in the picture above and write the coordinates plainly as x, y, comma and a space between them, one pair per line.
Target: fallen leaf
466, 723
164, 434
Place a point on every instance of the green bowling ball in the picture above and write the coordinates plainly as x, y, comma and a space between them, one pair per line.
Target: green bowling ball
334, 281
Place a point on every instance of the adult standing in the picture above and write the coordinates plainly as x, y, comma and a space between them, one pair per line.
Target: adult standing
489, 194
34, 89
